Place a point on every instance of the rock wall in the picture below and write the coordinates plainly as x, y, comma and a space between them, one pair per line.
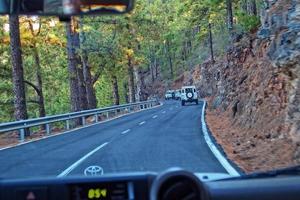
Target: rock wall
257, 86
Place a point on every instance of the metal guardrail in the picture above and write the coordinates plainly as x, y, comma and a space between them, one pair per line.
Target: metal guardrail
24, 124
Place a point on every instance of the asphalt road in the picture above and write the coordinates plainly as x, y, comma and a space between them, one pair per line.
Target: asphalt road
151, 140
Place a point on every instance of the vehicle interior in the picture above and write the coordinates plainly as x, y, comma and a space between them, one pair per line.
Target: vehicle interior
171, 184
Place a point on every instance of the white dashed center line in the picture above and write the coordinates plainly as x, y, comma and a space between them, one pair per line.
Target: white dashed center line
163, 112
124, 132
141, 123
171, 108
155, 116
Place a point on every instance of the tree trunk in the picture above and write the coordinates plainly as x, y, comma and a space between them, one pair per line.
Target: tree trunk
144, 94
156, 67
211, 44
39, 85
72, 67
131, 82
229, 17
171, 66
90, 99
116, 96
125, 86
138, 84
42, 111
190, 46
184, 52
90, 90
82, 100
20, 110
82, 89
251, 7
152, 71
170, 59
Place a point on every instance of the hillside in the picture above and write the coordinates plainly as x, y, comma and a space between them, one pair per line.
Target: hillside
253, 92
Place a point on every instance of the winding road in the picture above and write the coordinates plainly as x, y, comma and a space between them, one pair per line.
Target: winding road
151, 140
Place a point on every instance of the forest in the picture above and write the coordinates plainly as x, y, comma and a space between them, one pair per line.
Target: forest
50, 67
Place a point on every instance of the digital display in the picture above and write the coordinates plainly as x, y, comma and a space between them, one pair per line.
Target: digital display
101, 191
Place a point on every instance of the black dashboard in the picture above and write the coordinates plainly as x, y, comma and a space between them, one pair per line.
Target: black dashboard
171, 185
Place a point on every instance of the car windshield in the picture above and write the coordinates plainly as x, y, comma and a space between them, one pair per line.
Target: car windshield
90, 93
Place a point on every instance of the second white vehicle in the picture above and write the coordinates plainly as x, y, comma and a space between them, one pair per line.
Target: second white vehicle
169, 95
189, 94
177, 94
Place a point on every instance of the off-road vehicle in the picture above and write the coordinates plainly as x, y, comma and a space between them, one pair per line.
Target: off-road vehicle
178, 94
189, 94
169, 95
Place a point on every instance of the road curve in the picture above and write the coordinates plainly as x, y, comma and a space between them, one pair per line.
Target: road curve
151, 140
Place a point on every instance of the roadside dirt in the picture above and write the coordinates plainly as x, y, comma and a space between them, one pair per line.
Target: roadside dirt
249, 149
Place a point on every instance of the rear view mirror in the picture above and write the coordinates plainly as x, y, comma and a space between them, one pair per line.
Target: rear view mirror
65, 7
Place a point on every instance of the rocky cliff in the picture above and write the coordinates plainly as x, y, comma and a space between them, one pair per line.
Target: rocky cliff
254, 92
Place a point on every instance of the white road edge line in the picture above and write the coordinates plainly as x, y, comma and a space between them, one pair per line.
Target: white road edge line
124, 132
141, 123
155, 116
78, 162
224, 162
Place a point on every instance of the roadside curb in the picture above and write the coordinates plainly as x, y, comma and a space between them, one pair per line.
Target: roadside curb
216, 149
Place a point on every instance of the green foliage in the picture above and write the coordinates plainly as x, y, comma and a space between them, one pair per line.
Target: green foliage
162, 32
247, 22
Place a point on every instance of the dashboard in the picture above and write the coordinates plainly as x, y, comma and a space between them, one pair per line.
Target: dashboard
172, 184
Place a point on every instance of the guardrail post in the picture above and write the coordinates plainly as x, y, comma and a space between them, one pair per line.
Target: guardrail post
107, 115
96, 118
68, 124
48, 129
22, 134
83, 121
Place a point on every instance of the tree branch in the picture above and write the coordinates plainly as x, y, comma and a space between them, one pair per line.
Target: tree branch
33, 101
31, 27
34, 87
97, 75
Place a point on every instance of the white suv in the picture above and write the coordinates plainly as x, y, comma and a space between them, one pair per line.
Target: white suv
189, 94
169, 94
177, 94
